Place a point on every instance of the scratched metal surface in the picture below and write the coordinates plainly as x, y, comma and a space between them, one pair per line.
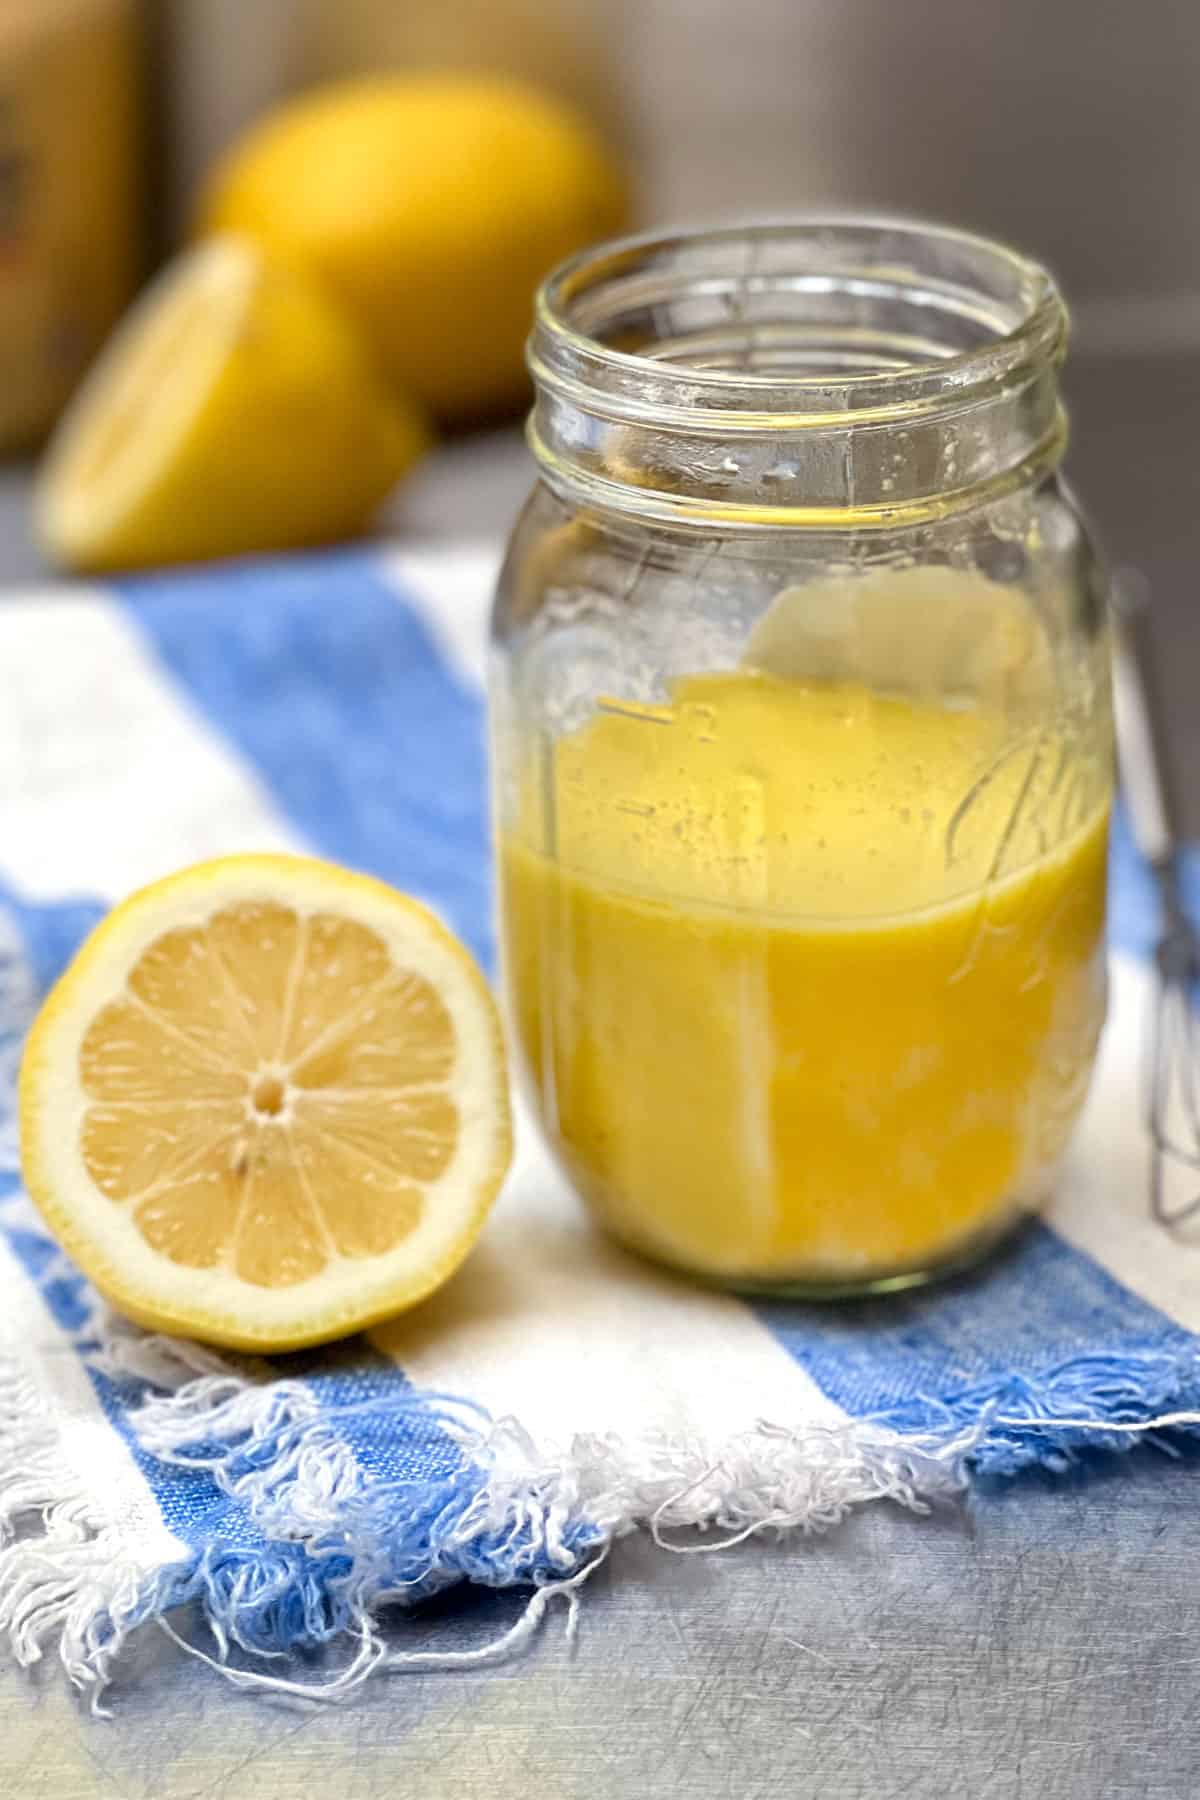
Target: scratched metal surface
1043, 1643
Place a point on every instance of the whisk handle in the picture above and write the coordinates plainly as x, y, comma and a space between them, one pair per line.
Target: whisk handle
1142, 748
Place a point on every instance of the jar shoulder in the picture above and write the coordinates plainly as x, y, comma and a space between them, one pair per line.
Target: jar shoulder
566, 565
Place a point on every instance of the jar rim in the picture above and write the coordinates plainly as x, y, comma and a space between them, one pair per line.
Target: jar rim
563, 353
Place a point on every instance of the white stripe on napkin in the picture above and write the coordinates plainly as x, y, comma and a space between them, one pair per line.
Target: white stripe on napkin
98, 1462
550, 1323
452, 590
111, 778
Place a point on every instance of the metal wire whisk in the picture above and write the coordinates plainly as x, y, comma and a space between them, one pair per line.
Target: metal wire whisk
1172, 1050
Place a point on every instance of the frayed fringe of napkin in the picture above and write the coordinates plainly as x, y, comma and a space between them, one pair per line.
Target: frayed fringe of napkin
339, 1545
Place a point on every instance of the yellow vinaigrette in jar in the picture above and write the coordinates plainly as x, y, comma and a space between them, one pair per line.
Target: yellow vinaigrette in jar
809, 977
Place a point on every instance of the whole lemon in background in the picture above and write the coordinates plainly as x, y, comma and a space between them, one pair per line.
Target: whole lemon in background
432, 206
235, 410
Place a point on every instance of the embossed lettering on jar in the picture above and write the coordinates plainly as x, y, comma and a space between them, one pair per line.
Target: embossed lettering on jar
802, 755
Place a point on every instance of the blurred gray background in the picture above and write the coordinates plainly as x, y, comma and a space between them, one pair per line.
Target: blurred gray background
1071, 127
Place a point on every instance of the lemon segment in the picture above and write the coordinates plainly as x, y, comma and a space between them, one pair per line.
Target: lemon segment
267, 1104
234, 411
432, 206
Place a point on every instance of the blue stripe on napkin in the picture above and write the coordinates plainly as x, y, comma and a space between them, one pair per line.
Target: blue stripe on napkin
1133, 909
364, 736
1021, 1335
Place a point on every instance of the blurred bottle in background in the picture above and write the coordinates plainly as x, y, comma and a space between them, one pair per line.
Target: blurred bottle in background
69, 196
219, 64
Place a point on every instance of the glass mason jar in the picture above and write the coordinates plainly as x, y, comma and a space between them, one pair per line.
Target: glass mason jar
802, 750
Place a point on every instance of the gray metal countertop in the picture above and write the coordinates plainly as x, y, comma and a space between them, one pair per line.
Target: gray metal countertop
1042, 1642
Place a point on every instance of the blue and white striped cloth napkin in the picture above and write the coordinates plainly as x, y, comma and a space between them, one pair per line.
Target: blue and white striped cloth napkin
557, 1393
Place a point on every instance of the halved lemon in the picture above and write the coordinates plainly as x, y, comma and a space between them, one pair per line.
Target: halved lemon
266, 1104
235, 410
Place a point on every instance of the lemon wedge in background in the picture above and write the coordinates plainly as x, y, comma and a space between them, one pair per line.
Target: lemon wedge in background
235, 410
432, 206
266, 1104
943, 633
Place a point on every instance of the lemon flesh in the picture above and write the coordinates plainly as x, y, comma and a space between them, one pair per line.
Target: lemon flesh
432, 206
235, 411
266, 1105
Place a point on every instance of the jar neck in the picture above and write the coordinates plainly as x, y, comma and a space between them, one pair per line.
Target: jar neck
828, 373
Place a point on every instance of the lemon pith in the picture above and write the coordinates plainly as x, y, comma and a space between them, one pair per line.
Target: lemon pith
266, 1104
